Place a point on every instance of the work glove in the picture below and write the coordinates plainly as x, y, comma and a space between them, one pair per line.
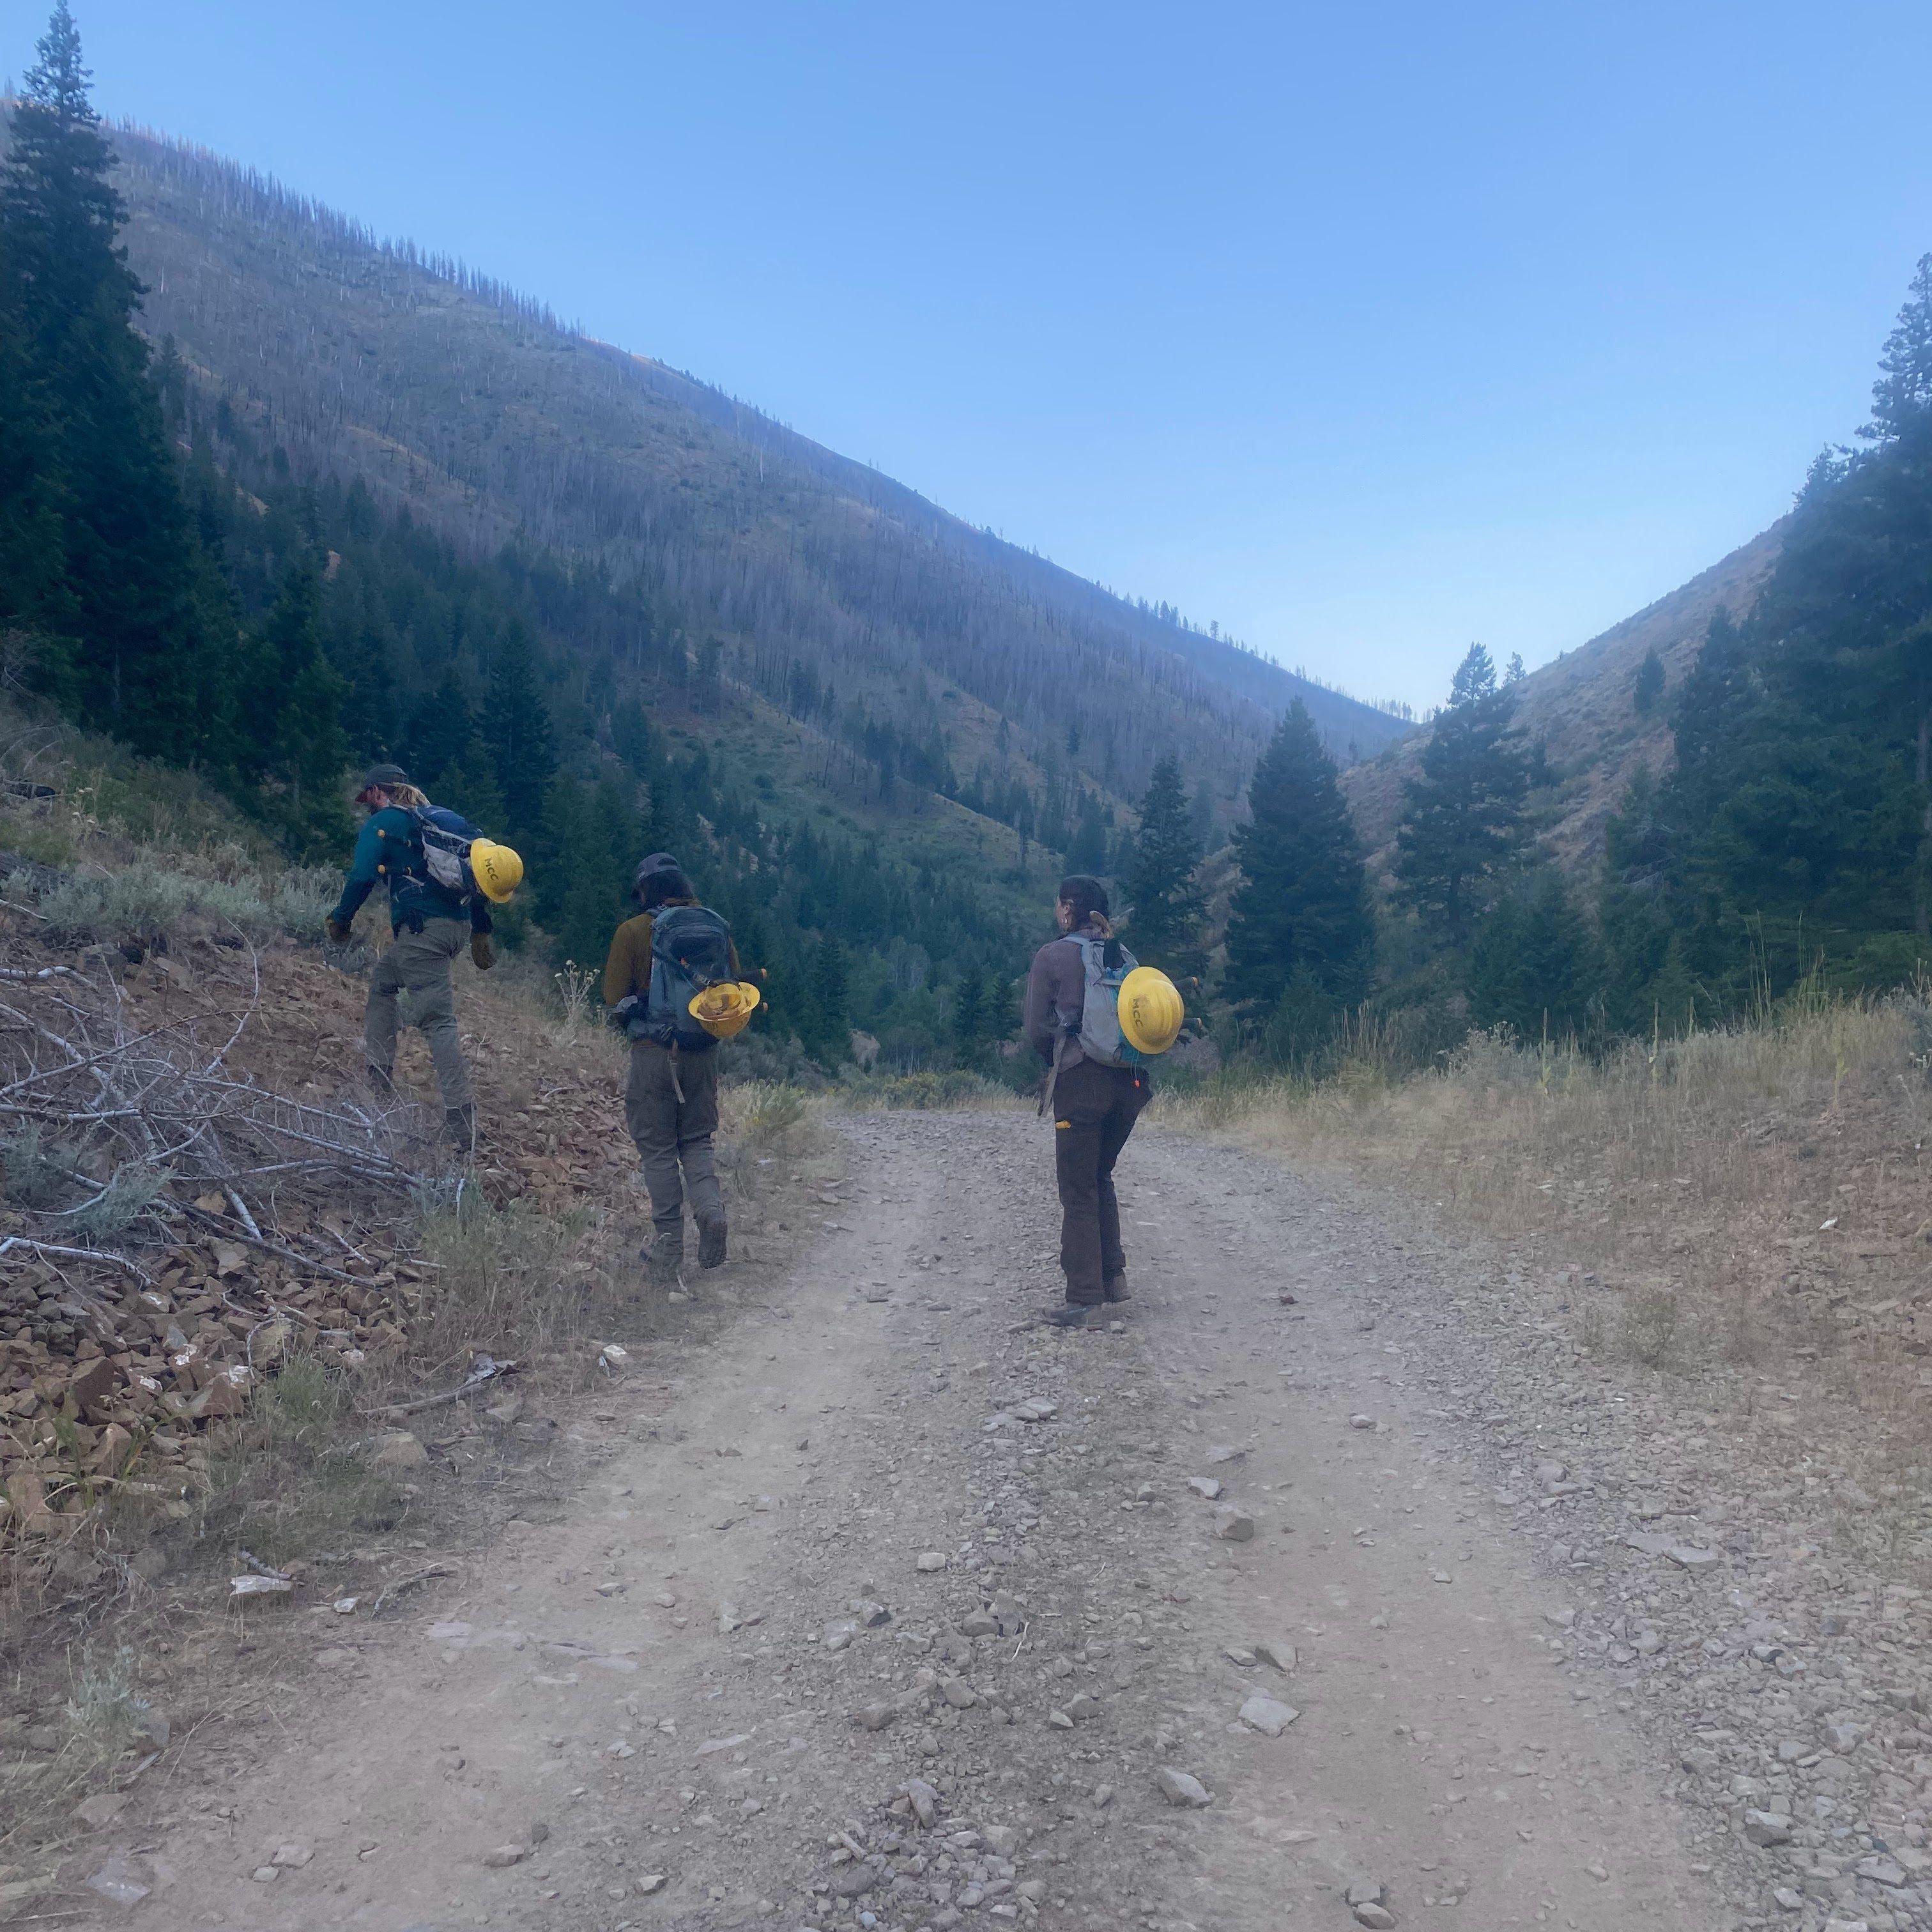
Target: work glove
336, 930
482, 952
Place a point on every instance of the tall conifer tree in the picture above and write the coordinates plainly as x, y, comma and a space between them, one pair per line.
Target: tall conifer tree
1302, 906
147, 655
1462, 820
307, 750
1166, 903
517, 732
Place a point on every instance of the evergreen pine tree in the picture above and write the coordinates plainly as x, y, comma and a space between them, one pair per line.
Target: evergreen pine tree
440, 728
1166, 903
468, 784
828, 1000
1303, 1025
1710, 722
968, 1013
304, 750
1463, 814
1302, 905
1087, 851
1533, 966
1631, 917
595, 868
36, 612
516, 732
146, 667
1648, 686
1902, 397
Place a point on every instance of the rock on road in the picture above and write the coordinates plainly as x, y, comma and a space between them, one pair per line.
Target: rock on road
895, 1609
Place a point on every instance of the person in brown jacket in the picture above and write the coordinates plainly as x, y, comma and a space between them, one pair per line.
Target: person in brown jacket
670, 1099
1094, 1105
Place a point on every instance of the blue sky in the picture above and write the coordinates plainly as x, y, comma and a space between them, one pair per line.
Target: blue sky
1364, 330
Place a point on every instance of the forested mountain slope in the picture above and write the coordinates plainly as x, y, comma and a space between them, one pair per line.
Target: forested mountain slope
1582, 709
924, 649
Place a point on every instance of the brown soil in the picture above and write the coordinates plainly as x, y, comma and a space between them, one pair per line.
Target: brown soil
543, 1707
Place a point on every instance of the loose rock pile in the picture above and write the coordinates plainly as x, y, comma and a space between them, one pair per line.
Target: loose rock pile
101, 1395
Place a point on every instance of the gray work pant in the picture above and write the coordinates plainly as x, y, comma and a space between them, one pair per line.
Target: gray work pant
673, 1133
418, 964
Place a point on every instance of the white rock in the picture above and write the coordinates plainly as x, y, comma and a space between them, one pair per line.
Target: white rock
1767, 1828
930, 1560
1361, 1422
1267, 1714
291, 1857
650, 1882
1204, 1486
1234, 1526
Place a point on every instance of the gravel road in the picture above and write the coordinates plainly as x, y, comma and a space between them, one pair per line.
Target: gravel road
890, 1607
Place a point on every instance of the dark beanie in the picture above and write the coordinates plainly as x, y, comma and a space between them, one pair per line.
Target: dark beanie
660, 877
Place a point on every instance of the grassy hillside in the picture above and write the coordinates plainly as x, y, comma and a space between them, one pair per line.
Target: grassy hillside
806, 573
1582, 709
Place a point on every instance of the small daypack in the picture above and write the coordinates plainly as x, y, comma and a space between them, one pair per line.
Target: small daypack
691, 949
445, 837
1100, 1037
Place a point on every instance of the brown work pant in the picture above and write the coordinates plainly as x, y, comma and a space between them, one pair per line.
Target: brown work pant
1094, 1110
673, 1133
418, 964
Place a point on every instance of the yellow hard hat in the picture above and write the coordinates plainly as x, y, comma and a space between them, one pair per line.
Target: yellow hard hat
1150, 1010
498, 870
724, 1010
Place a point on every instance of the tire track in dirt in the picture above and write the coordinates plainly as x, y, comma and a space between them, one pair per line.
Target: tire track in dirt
697, 1763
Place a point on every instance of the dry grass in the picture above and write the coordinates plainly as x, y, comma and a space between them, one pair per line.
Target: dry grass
1747, 1198
953, 1091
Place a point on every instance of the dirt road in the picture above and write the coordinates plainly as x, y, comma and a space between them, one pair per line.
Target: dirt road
891, 1608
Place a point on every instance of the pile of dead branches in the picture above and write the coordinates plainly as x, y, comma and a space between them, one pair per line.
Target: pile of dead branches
112, 1133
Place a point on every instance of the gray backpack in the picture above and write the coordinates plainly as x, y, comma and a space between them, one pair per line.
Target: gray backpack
691, 949
1100, 1037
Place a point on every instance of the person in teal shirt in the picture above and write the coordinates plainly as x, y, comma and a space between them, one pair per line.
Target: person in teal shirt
430, 927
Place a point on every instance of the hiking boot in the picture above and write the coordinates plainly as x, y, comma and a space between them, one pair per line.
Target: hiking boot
1070, 1314
664, 1264
711, 1243
459, 1124
381, 1083
1115, 1289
